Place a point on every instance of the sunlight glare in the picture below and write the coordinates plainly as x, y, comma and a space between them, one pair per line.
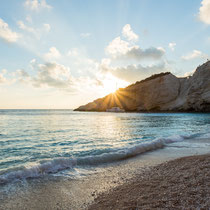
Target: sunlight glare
111, 84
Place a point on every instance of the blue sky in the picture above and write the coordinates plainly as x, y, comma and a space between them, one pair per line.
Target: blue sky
61, 54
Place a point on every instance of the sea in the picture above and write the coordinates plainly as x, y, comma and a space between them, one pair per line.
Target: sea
42, 143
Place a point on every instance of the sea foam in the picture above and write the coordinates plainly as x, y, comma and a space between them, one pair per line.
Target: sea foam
59, 164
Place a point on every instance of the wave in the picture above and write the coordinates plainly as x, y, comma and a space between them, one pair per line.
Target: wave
125, 153
206, 136
38, 170
59, 164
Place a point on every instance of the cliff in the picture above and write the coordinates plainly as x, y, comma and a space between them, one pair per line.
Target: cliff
161, 92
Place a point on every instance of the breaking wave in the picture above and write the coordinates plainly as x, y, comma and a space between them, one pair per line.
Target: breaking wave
59, 164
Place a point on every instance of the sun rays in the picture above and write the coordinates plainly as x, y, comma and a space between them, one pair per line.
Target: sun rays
111, 84
119, 98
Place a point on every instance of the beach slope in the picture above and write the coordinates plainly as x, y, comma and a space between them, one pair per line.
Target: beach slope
182, 183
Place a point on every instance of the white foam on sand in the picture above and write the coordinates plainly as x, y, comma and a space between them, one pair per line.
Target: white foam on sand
59, 164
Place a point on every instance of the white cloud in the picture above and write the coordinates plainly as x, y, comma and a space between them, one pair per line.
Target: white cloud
73, 52
51, 75
129, 34
52, 54
117, 47
56, 76
47, 27
2, 77
204, 11
129, 62
149, 53
105, 62
121, 49
26, 28
85, 35
37, 4
37, 32
22, 76
133, 73
5, 78
195, 54
6, 33
172, 46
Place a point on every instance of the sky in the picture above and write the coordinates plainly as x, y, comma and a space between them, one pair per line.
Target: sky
60, 54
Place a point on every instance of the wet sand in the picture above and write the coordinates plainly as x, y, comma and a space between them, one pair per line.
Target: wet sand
133, 183
182, 183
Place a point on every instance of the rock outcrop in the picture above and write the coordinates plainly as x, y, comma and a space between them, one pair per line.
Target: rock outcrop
161, 92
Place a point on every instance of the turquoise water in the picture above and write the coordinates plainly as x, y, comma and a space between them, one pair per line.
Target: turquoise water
34, 143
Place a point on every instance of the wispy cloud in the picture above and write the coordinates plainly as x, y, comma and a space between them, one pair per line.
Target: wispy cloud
85, 35
47, 27
3, 79
172, 46
29, 19
37, 5
195, 54
26, 28
132, 73
37, 32
6, 33
73, 52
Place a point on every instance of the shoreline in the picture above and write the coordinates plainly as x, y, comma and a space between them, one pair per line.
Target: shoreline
148, 112
56, 192
183, 183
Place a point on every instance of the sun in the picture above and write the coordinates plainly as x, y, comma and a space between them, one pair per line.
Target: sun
111, 84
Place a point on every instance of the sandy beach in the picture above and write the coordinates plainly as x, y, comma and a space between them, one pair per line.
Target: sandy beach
183, 183
144, 182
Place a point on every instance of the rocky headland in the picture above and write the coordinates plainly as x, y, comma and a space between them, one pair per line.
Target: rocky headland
160, 92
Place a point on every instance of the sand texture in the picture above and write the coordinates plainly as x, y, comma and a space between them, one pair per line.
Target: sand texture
183, 183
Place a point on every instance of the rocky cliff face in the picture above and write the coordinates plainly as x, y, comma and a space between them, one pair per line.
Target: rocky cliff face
162, 92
